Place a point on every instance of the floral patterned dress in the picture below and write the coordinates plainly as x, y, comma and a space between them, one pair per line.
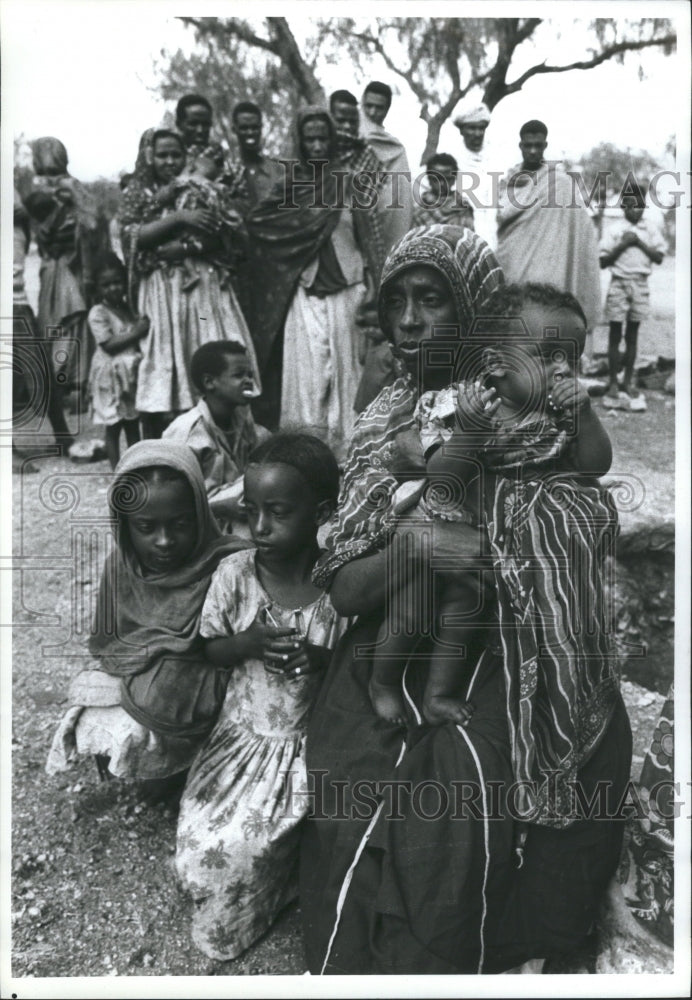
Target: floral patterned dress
245, 798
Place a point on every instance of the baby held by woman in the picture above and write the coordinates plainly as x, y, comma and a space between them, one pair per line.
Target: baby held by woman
521, 415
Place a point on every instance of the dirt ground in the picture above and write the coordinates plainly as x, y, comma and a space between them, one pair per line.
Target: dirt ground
94, 892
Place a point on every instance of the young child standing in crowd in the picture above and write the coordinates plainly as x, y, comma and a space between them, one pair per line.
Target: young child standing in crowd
266, 622
113, 375
523, 426
220, 428
629, 249
145, 706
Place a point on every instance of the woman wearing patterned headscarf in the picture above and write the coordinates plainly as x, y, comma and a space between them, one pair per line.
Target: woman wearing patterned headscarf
71, 235
400, 874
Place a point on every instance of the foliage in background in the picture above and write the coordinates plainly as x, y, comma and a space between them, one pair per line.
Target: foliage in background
440, 59
619, 165
226, 72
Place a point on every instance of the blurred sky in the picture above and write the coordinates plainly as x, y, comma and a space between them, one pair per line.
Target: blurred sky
84, 70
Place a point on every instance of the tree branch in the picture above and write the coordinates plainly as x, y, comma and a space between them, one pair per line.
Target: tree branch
281, 44
609, 53
286, 48
527, 29
235, 27
406, 74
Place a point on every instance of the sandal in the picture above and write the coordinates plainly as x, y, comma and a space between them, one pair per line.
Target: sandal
638, 403
620, 402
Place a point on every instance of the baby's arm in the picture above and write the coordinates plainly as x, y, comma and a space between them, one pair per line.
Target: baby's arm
172, 193
457, 458
590, 449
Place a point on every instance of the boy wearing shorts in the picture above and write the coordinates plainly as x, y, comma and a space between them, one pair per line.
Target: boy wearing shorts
629, 250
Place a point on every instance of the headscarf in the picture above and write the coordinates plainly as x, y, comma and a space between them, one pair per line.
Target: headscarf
77, 230
143, 171
477, 114
21, 219
139, 618
50, 156
464, 260
365, 519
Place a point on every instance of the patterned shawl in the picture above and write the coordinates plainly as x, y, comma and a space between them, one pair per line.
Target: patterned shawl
138, 206
550, 530
288, 230
364, 517
363, 163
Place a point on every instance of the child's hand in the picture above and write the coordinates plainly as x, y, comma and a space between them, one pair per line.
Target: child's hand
64, 195
306, 659
291, 661
269, 643
629, 238
476, 408
569, 395
200, 219
142, 326
166, 194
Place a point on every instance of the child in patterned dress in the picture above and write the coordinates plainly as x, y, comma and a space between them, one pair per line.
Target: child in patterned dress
265, 621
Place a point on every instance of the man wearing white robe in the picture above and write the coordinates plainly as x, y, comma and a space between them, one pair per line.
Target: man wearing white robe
475, 180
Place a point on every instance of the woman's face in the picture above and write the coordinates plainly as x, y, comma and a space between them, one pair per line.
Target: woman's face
314, 140
419, 305
163, 531
168, 158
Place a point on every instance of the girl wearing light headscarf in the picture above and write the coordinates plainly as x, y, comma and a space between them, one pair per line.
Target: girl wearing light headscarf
144, 707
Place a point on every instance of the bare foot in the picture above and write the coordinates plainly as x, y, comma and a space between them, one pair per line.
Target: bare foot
439, 708
388, 702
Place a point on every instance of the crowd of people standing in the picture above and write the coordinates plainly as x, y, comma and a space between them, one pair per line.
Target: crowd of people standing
285, 257
306, 355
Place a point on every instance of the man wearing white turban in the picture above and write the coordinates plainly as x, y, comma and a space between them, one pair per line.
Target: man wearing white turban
475, 180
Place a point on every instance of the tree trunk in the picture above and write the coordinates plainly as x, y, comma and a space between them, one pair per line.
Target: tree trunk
286, 48
432, 138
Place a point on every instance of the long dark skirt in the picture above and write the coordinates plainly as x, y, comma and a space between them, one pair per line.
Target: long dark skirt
419, 875
554, 897
431, 877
